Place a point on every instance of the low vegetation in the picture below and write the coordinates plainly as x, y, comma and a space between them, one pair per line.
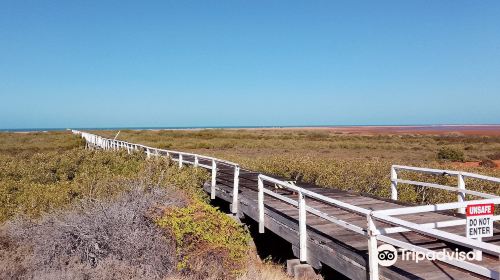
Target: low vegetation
408, 148
113, 239
451, 154
358, 163
70, 213
66, 212
204, 235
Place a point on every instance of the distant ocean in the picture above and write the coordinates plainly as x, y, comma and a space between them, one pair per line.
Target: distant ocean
244, 127
164, 127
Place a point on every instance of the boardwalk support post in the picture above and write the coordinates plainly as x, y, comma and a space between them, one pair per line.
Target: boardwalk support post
372, 248
394, 184
214, 179
234, 209
302, 228
196, 162
180, 160
461, 195
148, 153
261, 204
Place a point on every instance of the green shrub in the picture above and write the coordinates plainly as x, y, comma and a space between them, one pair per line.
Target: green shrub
451, 154
202, 233
48, 181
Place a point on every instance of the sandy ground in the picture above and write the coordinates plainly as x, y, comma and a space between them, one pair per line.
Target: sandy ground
474, 164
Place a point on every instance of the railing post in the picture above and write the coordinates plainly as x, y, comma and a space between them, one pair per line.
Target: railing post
302, 228
214, 175
196, 162
394, 183
234, 209
461, 195
180, 160
478, 253
372, 248
148, 153
128, 148
260, 198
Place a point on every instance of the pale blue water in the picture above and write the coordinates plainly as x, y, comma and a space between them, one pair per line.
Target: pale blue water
494, 126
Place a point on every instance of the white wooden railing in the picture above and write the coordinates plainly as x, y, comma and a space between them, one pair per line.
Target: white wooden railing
112, 144
387, 216
460, 189
370, 231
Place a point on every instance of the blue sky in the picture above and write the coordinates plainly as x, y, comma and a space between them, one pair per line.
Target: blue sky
214, 63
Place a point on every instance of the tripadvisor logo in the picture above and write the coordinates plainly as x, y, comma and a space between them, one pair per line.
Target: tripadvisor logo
388, 255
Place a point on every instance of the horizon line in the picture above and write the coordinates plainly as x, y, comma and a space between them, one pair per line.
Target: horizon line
34, 129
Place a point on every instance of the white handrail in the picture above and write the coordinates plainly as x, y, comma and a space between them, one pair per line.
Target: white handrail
460, 189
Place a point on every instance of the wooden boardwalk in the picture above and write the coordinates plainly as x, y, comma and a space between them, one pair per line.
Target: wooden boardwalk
337, 233
334, 246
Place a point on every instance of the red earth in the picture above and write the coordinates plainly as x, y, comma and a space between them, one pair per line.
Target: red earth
479, 130
474, 164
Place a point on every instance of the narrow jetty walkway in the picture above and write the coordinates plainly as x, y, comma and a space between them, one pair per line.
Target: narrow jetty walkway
342, 230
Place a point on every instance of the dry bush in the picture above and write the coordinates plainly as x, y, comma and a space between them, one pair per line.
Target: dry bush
487, 163
494, 156
95, 240
264, 271
256, 269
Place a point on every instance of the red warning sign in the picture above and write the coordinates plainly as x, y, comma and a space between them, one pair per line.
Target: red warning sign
480, 209
480, 220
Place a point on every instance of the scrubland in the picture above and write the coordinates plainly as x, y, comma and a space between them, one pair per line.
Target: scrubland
353, 162
70, 213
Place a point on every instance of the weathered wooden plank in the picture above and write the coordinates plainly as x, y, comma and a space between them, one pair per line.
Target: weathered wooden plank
323, 235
